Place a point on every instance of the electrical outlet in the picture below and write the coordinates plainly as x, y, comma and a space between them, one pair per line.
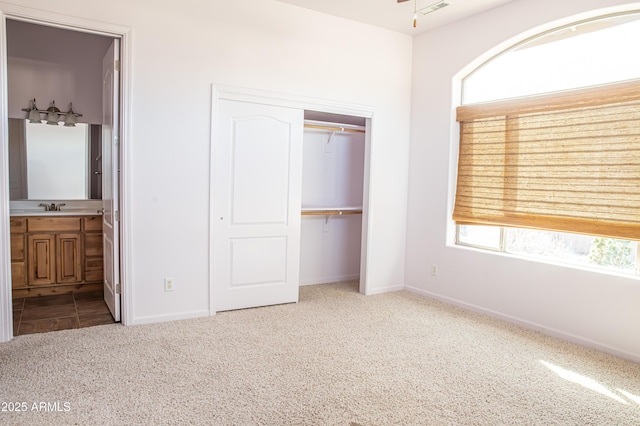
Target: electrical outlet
168, 284
434, 270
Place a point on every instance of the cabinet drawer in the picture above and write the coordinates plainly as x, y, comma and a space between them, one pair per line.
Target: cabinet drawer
18, 224
17, 247
93, 269
93, 245
93, 223
40, 224
18, 274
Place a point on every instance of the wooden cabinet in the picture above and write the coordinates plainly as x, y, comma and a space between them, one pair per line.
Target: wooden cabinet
53, 254
18, 253
93, 254
93, 263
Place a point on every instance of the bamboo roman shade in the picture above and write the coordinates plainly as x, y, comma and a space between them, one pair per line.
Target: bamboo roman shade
566, 162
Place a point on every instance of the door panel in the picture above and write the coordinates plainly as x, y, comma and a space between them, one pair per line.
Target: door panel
258, 261
257, 191
260, 171
41, 259
68, 261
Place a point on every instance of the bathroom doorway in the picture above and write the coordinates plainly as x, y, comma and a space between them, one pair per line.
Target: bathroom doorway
59, 70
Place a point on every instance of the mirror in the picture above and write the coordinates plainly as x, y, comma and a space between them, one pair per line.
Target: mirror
48, 162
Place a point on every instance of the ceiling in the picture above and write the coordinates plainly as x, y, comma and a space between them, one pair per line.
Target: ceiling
398, 16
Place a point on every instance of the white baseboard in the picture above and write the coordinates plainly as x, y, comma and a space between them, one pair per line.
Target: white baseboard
172, 317
528, 324
384, 290
333, 279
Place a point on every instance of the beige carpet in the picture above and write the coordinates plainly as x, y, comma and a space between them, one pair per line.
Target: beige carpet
335, 358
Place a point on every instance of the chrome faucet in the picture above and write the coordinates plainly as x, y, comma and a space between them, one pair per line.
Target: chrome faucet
51, 207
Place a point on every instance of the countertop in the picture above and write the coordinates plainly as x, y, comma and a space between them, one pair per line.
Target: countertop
41, 212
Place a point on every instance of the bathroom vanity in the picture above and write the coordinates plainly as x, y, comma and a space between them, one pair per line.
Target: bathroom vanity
55, 253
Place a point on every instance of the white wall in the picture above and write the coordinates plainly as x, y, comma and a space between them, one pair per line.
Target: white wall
52, 64
179, 50
587, 307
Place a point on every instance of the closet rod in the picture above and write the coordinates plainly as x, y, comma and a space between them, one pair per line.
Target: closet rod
333, 128
326, 212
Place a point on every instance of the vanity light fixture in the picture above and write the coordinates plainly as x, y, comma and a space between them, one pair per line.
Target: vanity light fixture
71, 119
53, 114
34, 114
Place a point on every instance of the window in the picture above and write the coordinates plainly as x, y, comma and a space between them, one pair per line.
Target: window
609, 254
557, 165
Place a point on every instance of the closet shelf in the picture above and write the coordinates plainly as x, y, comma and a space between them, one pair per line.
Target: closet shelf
334, 127
331, 211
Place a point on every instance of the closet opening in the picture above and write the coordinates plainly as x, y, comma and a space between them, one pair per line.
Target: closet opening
289, 197
333, 175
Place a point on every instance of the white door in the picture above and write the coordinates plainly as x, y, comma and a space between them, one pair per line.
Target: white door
110, 178
257, 169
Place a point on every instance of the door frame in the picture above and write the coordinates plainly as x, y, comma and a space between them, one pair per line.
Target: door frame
242, 94
40, 17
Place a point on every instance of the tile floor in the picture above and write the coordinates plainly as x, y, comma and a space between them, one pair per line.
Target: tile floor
60, 312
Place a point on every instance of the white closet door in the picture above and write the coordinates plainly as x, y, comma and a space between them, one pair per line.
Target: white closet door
257, 198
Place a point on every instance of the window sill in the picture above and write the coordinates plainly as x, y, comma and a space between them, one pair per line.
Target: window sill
546, 261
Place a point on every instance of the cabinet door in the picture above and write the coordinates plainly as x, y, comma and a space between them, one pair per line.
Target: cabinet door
41, 259
68, 258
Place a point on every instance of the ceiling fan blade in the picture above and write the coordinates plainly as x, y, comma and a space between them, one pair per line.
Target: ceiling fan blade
402, 1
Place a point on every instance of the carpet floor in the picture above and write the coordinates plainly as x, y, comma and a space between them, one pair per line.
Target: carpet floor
334, 358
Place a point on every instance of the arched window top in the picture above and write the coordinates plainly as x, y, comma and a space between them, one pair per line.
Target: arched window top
587, 53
